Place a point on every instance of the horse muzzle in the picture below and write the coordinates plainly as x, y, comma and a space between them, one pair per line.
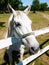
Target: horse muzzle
32, 51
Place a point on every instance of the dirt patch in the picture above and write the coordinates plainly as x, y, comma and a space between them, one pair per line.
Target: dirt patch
45, 16
45, 60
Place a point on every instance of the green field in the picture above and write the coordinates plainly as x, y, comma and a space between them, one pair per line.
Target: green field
38, 21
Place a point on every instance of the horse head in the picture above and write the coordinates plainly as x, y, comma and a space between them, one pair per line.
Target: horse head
20, 24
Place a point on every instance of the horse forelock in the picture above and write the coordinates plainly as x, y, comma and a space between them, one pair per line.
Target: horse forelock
19, 13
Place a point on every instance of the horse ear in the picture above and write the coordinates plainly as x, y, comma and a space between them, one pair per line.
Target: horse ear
27, 10
11, 10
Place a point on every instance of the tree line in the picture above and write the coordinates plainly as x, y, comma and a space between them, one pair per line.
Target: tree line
37, 6
18, 5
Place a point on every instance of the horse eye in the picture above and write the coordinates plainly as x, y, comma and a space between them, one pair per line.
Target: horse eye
17, 24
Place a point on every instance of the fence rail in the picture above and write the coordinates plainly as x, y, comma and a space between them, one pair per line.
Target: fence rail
12, 40
33, 57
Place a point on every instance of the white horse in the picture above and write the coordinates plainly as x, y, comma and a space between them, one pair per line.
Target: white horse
20, 24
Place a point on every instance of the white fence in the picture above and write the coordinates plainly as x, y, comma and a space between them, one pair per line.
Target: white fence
9, 41
33, 57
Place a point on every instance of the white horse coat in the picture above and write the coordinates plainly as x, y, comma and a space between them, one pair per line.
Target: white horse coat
20, 24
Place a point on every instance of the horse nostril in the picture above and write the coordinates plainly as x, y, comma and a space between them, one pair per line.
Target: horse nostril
32, 48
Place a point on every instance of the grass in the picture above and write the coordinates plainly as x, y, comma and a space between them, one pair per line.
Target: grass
38, 21
46, 12
3, 24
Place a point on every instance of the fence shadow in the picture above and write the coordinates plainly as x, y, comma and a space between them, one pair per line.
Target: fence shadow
15, 57
6, 59
41, 46
2, 24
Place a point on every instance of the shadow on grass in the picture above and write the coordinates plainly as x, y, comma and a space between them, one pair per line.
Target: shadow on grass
15, 57
41, 46
2, 24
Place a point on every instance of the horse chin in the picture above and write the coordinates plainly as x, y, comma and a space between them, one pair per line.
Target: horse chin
33, 52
